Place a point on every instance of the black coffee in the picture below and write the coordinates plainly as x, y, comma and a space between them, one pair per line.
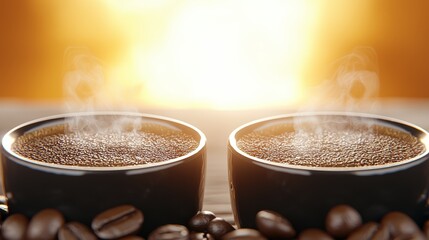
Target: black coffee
150, 143
331, 144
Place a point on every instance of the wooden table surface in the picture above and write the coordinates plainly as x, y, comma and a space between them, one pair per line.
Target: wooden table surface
217, 125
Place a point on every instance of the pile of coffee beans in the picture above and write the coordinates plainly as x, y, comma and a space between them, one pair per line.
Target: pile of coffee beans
50, 224
344, 222
124, 223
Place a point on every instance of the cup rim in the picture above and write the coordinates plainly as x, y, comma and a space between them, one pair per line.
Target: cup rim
8, 140
308, 169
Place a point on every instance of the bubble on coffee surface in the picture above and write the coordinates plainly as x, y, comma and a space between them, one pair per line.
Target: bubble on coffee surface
150, 143
331, 144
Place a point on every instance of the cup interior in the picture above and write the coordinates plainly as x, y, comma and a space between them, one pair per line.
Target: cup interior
11, 136
331, 118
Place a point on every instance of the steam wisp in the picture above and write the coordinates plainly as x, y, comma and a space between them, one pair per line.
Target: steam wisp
87, 90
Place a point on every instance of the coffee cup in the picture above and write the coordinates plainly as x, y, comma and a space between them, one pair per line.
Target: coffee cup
167, 191
304, 188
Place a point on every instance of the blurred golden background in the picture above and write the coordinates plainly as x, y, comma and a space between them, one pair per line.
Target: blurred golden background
210, 54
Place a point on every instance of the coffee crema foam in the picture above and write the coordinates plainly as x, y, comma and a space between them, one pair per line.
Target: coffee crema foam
331, 145
151, 143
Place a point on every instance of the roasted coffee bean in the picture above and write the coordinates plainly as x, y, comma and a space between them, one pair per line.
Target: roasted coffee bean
314, 234
15, 227
341, 220
200, 236
45, 225
399, 224
219, 227
364, 232
274, 225
131, 238
170, 232
244, 234
382, 233
117, 222
200, 221
75, 231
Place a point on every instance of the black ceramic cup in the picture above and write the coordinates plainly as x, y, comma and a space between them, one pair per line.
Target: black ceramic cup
167, 192
304, 195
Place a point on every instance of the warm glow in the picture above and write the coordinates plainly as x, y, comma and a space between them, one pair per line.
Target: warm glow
221, 54
224, 54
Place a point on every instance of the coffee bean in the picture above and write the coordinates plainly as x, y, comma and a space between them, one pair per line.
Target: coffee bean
382, 234
15, 227
131, 238
219, 227
341, 220
399, 224
75, 231
200, 236
274, 225
244, 234
117, 222
200, 221
170, 232
364, 232
45, 225
314, 234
